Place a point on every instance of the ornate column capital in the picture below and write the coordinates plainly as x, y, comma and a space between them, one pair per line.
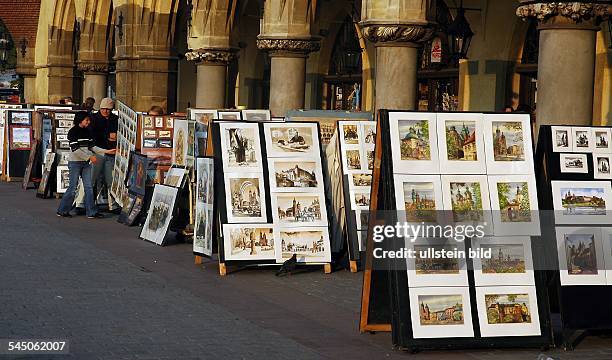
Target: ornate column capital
574, 12
92, 67
397, 33
288, 46
211, 55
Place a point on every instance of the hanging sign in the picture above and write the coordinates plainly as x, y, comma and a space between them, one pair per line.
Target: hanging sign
436, 50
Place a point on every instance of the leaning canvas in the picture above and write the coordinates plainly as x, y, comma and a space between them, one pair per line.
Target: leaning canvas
202, 243
160, 214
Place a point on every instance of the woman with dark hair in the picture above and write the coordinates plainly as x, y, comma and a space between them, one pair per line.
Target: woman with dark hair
81, 157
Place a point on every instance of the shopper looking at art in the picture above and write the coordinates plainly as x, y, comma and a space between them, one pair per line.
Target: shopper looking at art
82, 155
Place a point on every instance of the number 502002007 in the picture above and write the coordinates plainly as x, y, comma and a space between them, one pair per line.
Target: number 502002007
42, 346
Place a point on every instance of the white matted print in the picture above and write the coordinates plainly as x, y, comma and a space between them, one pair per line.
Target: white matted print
249, 242
418, 198
441, 312
202, 242
461, 143
583, 139
229, 115
256, 115
582, 202
299, 209
174, 177
426, 269
466, 197
601, 166
309, 244
361, 180
160, 214
562, 138
601, 137
360, 199
292, 140
295, 175
508, 311
573, 163
63, 179
414, 143
514, 205
581, 258
245, 198
508, 144
510, 263
350, 134
240, 147
198, 114
606, 238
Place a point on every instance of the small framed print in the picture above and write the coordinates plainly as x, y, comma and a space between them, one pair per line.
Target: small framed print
159, 122
150, 133
461, 143
361, 180
426, 269
249, 242
583, 202
414, 143
583, 139
166, 134
256, 115
292, 140
240, 146
510, 261
581, 258
514, 205
562, 139
352, 161
310, 244
61, 131
293, 175
63, 178
169, 123
299, 209
419, 198
360, 199
601, 166
147, 122
573, 163
245, 198
508, 311
62, 137
508, 144
165, 143
362, 218
606, 238
601, 137
466, 200
350, 134
441, 312
229, 115
65, 124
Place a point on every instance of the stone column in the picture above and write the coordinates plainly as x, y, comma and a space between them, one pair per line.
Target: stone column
29, 88
94, 81
288, 71
396, 62
212, 76
566, 64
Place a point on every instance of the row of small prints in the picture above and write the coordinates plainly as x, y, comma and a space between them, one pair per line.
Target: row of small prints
581, 139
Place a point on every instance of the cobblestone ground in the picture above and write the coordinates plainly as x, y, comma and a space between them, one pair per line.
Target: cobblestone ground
117, 297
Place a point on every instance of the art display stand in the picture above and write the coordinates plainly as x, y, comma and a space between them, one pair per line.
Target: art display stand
582, 308
17, 155
4, 139
221, 211
387, 297
31, 164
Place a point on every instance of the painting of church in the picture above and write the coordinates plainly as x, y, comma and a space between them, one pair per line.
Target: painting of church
508, 141
461, 140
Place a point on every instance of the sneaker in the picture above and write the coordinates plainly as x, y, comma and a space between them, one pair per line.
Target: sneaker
66, 215
79, 211
96, 216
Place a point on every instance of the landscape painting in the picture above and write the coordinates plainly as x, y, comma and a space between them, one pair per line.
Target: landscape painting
414, 140
299, 209
583, 201
505, 259
581, 254
308, 244
287, 174
420, 201
508, 308
244, 242
461, 140
508, 142
428, 265
514, 203
441, 310
466, 201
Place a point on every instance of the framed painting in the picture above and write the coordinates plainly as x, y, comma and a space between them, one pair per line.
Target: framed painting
581, 257
249, 242
20, 118
583, 139
203, 230
299, 209
466, 200
573, 163
174, 177
461, 143
20, 138
160, 214
601, 137
510, 261
137, 179
240, 146
229, 115
419, 198
514, 205
63, 179
414, 143
508, 311
295, 175
441, 312
309, 244
582, 202
292, 140
256, 115
509, 149
180, 142
245, 198
562, 138
601, 166
427, 270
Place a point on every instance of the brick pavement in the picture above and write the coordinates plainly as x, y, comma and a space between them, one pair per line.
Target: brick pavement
117, 297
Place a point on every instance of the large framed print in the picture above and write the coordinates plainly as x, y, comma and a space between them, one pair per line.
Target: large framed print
508, 144
295, 175
514, 205
419, 198
427, 270
581, 258
606, 238
20, 118
441, 312
299, 209
583, 139
508, 311
414, 143
240, 146
202, 119
461, 143
160, 214
510, 261
137, 179
180, 142
582, 202
203, 230
292, 140
562, 139
573, 163
20, 138
245, 197
309, 244
256, 115
466, 200
249, 242
360, 199
601, 136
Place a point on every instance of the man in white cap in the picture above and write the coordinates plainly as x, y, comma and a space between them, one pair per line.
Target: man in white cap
104, 126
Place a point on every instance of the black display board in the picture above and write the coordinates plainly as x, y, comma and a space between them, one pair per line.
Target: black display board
581, 307
386, 296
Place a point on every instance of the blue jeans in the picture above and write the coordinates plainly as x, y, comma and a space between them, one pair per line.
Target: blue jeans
102, 173
78, 169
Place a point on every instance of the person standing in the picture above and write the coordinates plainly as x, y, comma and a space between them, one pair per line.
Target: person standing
82, 155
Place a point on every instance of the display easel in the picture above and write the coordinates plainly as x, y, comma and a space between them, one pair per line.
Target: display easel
583, 308
221, 213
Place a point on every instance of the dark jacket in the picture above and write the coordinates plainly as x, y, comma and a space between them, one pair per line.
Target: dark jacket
101, 127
